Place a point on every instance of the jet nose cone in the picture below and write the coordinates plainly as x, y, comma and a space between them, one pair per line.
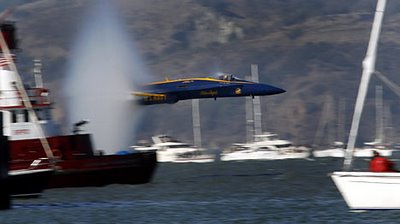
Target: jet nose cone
278, 90
264, 89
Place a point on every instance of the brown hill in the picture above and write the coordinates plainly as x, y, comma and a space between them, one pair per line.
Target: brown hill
313, 49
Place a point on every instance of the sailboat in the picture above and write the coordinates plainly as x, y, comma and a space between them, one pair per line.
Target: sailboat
337, 148
367, 190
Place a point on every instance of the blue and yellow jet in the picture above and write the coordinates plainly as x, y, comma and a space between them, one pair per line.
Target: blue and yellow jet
225, 85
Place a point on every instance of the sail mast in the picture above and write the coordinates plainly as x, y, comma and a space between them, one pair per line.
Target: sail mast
196, 122
368, 65
249, 117
256, 103
379, 135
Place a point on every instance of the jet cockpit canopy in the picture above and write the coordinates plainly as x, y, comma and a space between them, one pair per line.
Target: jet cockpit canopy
227, 77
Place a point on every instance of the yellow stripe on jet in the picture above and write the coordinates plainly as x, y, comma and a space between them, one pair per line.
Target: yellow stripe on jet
150, 97
148, 94
196, 79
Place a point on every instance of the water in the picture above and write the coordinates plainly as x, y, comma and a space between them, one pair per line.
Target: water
289, 191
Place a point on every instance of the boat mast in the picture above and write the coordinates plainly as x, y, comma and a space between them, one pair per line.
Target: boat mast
256, 103
25, 98
196, 122
249, 117
379, 135
325, 123
368, 65
341, 121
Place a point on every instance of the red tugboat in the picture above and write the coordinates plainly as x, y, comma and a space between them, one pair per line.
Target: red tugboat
33, 136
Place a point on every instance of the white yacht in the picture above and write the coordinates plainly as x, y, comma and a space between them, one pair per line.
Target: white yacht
266, 146
171, 150
370, 147
338, 151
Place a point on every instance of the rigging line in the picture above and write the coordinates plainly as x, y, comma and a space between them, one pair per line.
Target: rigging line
25, 99
368, 65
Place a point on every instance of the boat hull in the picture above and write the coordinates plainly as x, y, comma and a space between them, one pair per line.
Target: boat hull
339, 153
369, 152
78, 165
368, 190
260, 155
28, 183
208, 159
176, 158
135, 168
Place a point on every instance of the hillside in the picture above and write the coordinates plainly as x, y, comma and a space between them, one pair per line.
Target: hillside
313, 49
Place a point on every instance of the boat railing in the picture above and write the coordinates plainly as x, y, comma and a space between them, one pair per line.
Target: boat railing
37, 96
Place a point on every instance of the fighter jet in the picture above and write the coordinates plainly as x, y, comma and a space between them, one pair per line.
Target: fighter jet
224, 85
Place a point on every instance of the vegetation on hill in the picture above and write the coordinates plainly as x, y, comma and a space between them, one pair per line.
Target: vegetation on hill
312, 48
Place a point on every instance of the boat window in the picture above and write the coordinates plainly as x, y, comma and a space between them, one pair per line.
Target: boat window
167, 139
14, 116
26, 116
47, 114
41, 114
283, 146
20, 116
178, 146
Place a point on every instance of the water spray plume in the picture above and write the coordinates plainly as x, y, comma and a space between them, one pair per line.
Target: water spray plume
103, 71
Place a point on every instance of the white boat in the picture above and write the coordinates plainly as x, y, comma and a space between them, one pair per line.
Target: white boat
338, 151
367, 190
368, 152
333, 152
171, 150
265, 147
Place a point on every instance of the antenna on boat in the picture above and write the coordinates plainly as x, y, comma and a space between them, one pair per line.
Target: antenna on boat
25, 98
37, 72
368, 65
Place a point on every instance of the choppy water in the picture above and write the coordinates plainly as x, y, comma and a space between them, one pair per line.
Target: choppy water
288, 191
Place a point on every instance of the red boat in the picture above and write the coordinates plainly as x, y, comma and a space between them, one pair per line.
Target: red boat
33, 137
28, 182
76, 164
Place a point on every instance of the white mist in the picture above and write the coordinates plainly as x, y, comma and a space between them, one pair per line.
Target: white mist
103, 71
